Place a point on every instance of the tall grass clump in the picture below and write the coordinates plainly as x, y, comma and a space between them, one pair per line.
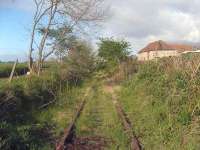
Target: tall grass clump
162, 100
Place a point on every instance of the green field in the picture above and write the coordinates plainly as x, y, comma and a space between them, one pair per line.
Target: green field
6, 68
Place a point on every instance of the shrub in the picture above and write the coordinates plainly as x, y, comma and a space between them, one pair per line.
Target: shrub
20, 103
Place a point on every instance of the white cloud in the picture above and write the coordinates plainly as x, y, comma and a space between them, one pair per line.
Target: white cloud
26, 5
143, 21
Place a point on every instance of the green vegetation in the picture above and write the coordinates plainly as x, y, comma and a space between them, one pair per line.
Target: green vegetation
22, 103
162, 101
6, 68
80, 62
100, 119
34, 110
19, 108
113, 51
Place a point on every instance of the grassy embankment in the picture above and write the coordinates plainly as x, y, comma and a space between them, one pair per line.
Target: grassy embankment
26, 122
162, 101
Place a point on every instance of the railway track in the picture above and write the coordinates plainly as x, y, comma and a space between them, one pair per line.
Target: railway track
133, 140
69, 140
69, 132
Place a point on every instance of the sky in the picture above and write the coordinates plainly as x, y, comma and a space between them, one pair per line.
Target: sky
15, 24
138, 21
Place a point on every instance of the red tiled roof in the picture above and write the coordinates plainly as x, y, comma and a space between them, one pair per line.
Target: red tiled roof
161, 45
182, 47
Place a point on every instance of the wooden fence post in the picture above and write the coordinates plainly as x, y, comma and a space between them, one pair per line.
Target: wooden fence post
13, 71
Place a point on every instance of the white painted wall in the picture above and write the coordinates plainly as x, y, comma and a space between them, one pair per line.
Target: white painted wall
157, 54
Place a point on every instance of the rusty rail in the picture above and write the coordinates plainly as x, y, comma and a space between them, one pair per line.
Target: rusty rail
134, 142
70, 130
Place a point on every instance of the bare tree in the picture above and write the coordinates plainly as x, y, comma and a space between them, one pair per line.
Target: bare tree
52, 14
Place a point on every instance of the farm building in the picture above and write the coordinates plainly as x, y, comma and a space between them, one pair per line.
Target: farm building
159, 49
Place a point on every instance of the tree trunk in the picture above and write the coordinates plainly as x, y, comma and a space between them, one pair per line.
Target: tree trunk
30, 59
44, 38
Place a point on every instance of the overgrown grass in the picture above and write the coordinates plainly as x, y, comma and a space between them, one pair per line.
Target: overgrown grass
100, 119
19, 103
162, 101
62, 112
35, 110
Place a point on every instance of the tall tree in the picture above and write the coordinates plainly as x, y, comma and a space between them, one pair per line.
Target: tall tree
61, 41
53, 14
79, 62
112, 50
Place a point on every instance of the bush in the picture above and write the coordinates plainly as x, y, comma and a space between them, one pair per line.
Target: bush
78, 65
20, 103
25, 137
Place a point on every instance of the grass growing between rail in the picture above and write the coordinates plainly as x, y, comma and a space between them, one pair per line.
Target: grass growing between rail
162, 102
100, 119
